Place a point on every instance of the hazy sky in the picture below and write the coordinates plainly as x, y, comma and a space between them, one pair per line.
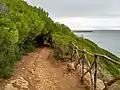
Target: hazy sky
83, 14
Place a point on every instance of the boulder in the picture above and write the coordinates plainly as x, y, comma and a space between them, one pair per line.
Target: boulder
9, 87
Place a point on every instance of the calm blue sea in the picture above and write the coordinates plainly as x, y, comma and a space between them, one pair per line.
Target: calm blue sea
108, 39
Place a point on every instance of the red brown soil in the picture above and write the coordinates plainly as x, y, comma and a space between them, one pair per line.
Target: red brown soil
42, 72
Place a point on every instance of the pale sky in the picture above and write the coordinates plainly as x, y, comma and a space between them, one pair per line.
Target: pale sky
83, 14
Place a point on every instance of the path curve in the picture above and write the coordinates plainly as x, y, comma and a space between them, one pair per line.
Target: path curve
39, 71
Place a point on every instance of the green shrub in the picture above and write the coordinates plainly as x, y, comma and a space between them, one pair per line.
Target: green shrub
8, 54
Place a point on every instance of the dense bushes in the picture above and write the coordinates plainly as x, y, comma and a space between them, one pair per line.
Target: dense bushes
19, 25
9, 53
23, 27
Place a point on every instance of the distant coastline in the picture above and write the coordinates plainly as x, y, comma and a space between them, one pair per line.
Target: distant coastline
77, 31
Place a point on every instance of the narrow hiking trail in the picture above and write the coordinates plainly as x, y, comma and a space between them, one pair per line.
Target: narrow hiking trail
39, 71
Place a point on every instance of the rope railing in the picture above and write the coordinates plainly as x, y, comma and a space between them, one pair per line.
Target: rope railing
92, 67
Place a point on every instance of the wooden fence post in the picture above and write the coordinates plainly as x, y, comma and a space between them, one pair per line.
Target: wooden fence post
115, 79
73, 52
91, 76
87, 71
82, 66
77, 57
83, 62
95, 72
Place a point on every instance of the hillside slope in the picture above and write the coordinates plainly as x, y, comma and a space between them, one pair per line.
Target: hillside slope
23, 28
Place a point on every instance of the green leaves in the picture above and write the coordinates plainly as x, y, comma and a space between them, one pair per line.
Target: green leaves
7, 53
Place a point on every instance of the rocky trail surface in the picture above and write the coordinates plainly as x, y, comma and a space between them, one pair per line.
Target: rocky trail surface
39, 71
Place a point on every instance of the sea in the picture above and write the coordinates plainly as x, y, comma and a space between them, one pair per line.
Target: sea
107, 39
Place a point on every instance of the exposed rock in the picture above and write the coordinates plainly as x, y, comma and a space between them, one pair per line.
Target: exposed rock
78, 67
31, 71
87, 77
30, 78
20, 82
23, 68
9, 87
71, 66
100, 84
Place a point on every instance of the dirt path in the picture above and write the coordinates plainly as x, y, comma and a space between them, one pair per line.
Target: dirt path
38, 71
